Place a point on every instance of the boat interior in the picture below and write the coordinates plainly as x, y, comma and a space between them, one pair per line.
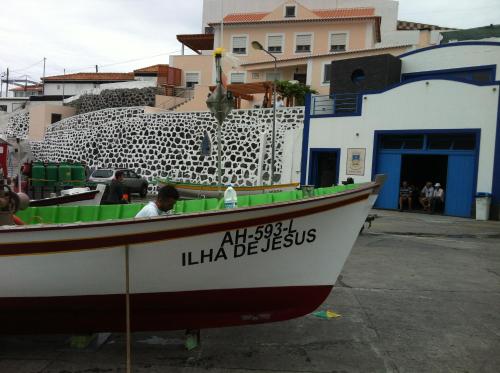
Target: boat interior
73, 214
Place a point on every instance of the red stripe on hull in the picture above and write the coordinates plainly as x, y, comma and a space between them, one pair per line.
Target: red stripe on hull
159, 311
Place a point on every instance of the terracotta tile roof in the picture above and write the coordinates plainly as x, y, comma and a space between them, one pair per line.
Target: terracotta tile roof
345, 13
405, 25
31, 88
356, 51
322, 13
244, 17
150, 69
92, 77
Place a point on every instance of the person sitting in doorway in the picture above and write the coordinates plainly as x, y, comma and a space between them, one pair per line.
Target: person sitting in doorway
279, 102
426, 196
405, 195
437, 198
117, 193
165, 201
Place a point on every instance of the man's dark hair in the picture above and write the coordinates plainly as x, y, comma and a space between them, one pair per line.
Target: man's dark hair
168, 191
118, 174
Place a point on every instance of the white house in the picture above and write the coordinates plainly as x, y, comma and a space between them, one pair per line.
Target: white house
72, 84
440, 123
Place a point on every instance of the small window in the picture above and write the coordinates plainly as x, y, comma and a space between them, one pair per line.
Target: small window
358, 76
255, 76
402, 142
303, 43
239, 45
327, 71
464, 142
192, 79
275, 43
102, 173
290, 11
452, 141
58, 86
237, 78
55, 118
441, 141
338, 42
3, 107
271, 77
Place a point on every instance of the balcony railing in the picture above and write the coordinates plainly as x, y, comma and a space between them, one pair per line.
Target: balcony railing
339, 104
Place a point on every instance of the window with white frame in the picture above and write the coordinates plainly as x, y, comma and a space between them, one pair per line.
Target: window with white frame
338, 42
275, 43
239, 45
192, 79
272, 76
290, 11
327, 71
255, 75
303, 43
237, 78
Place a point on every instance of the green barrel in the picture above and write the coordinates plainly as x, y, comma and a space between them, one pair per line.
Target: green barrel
51, 174
64, 173
38, 175
78, 174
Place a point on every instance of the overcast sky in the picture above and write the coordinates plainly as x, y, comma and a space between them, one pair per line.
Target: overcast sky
122, 35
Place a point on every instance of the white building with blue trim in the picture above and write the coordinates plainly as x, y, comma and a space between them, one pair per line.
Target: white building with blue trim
440, 123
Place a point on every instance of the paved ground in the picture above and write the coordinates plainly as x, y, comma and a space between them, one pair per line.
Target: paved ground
420, 293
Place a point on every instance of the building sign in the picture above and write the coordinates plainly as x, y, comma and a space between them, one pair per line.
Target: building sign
356, 161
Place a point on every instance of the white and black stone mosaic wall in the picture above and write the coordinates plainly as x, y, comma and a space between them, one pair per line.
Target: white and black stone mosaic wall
18, 125
168, 144
115, 98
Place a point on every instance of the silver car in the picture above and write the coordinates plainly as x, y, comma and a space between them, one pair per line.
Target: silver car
133, 182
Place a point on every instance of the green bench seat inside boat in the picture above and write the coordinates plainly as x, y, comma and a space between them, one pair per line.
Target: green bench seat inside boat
71, 214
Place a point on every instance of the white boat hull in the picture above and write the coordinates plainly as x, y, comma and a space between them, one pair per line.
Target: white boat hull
230, 267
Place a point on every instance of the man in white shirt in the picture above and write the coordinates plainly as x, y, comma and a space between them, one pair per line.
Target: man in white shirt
437, 198
426, 196
165, 201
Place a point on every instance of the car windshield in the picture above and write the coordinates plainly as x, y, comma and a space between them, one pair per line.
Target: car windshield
102, 173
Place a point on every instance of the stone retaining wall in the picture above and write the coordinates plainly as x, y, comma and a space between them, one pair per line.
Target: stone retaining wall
168, 144
115, 98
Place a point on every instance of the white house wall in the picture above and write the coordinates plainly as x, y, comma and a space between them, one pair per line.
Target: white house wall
415, 106
449, 58
69, 88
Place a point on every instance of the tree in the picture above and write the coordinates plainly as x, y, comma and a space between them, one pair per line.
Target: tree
295, 93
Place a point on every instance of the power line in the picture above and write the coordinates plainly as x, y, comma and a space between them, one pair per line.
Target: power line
26, 68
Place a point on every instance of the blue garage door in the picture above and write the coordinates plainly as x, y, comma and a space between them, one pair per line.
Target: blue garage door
460, 184
452, 155
389, 164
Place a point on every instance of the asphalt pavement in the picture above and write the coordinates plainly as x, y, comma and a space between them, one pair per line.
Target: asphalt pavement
419, 293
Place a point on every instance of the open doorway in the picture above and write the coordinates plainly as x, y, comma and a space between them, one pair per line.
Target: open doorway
418, 169
325, 167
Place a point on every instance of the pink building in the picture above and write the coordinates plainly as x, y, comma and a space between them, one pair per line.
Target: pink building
304, 40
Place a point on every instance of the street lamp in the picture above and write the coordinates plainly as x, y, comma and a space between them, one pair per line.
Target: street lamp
256, 45
220, 103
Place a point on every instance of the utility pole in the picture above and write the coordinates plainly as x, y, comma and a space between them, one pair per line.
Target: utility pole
64, 73
43, 79
96, 69
25, 84
7, 84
